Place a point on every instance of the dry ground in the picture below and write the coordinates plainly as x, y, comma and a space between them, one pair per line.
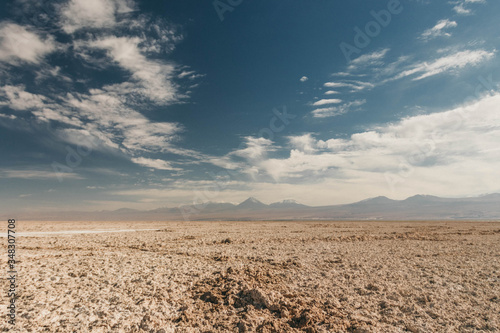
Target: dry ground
258, 276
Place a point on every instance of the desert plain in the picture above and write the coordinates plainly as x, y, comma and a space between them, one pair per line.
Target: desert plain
255, 276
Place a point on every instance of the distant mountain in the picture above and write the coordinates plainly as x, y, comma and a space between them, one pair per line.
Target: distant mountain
124, 210
218, 206
287, 204
251, 203
375, 201
425, 198
418, 207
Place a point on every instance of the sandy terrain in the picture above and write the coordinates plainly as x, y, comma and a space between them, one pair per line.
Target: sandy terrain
257, 276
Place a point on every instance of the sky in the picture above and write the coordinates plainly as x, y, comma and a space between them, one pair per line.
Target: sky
107, 104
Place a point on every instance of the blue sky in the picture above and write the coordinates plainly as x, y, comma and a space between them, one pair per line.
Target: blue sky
142, 104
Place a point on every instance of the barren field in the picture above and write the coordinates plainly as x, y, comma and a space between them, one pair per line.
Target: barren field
256, 277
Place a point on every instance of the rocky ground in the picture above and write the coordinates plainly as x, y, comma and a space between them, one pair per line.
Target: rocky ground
257, 277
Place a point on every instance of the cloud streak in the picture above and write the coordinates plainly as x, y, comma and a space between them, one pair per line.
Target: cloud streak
327, 101
439, 30
352, 84
370, 59
337, 110
35, 174
448, 63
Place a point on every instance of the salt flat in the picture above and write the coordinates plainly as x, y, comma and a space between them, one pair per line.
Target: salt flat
257, 276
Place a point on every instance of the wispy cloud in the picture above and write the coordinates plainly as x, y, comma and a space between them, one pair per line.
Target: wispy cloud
93, 14
35, 174
17, 98
191, 75
337, 110
11, 116
96, 187
353, 85
370, 59
20, 45
253, 150
327, 101
347, 83
153, 163
446, 63
149, 78
106, 36
439, 30
342, 74
451, 61
462, 6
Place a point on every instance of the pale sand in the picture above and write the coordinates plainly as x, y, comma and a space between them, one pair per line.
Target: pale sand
257, 276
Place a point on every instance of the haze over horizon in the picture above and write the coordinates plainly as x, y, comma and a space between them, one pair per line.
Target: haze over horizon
107, 104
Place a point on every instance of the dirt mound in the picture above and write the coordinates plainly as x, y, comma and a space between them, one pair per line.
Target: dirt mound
258, 300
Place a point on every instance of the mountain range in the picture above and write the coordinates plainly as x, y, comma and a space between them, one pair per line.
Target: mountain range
418, 207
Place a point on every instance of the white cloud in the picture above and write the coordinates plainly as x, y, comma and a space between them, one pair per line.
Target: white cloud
11, 116
327, 101
47, 114
153, 163
304, 79
438, 30
225, 162
191, 75
352, 84
184, 74
457, 60
337, 110
331, 92
342, 74
48, 72
304, 142
439, 154
370, 59
18, 99
152, 78
426, 154
255, 148
35, 174
449, 60
103, 121
96, 14
461, 6
18, 45
328, 112
117, 126
460, 9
